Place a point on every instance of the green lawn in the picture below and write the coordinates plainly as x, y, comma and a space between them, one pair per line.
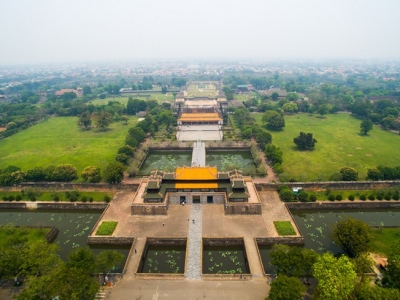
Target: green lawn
284, 228
60, 141
383, 238
49, 196
31, 234
124, 99
339, 144
107, 228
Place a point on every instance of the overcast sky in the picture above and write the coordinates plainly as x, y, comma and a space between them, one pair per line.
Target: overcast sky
42, 31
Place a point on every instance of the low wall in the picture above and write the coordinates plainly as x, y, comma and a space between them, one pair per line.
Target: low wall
149, 209
334, 185
160, 276
174, 197
242, 208
67, 186
219, 277
270, 241
109, 240
53, 205
166, 241
343, 205
228, 241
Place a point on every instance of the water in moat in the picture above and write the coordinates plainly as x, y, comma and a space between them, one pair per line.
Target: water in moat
224, 260
163, 259
316, 227
74, 228
165, 161
228, 160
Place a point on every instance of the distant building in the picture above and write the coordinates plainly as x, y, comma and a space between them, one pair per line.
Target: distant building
78, 92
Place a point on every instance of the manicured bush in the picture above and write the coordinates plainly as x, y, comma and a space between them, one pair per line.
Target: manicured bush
11, 198
282, 187
395, 197
32, 197
331, 197
363, 197
351, 197
18, 198
313, 198
73, 197
379, 197
371, 197
5, 198
91, 199
56, 198
286, 195
107, 199
338, 197
388, 197
302, 196
84, 199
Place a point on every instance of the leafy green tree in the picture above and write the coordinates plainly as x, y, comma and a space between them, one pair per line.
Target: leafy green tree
125, 119
273, 120
286, 288
228, 93
353, 236
392, 275
374, 174
135, 105
262, 137
305, 141
366, 126
81, 258
91, 174
102, 119
274, 154
366, 291
274, 96
324, 109
336, 277
86, 90
64, 172
107, 261
290, 107
349, 174
292, 96
85, 119
166, 117
128, 150
114, 172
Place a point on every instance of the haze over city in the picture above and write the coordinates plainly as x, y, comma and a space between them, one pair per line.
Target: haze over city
35, 32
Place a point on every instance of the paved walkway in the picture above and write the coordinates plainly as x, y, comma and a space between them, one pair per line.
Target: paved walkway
199, 154
193, 263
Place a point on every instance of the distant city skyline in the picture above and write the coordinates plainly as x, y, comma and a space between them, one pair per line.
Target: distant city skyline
44, 31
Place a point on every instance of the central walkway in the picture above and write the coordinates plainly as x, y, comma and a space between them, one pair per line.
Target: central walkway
199, 154
193, 264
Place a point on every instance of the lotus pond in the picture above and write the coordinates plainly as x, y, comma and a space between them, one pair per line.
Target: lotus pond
74, 227
224, 260
228, 160
316, 227
165, 161
163, 259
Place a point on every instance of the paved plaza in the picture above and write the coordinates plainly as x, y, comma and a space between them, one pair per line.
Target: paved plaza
209, 221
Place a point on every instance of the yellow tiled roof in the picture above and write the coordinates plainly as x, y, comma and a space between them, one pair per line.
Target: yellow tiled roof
200, 117
196, 185
196, 173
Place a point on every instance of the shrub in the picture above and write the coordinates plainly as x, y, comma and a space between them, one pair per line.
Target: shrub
107, 198
5, 198
338, 197
282, 187
351, 197
388, 197
67, 194
56, 198
395, 197
363, 197
73, 197
84, 199
286, 195
331, 197
91, 199
371, 197
379, 197
18, 198
32, 197
313, 198
11, 198
303, 196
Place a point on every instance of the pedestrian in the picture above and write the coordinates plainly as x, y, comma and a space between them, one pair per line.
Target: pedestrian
163, 223
135, 251
193, 221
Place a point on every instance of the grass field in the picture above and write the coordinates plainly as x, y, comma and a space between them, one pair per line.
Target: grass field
60, 141
201, 91
49, 196
107, 228
124, 99
284, 228
31, 234
339, 144
383, 238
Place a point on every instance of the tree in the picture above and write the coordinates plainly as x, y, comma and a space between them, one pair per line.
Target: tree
273, 120
349, 174
285, 288
135, 105
86, 90
164, 89
290, 107
336, 277
374, 174
353, 236
324, 109
64, 172
125, 119
262, 137
274, 154
85, 119
292, 96
114, 172
305, 141
274, 96
91, 174
228, 93
392, 275
107, 261
366, 126
102, 119
166, 117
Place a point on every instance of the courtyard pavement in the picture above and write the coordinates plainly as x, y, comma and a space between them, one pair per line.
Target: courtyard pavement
210, 221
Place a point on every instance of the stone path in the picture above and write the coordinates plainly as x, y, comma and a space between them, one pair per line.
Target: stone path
199, 154
193, 263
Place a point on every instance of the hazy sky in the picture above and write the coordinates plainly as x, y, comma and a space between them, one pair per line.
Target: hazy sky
40, 31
